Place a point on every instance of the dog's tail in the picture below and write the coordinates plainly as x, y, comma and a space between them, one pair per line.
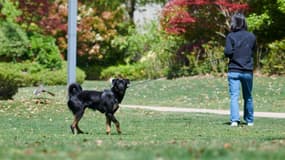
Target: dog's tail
74, 89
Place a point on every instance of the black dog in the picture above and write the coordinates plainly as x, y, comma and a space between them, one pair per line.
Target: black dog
106, 101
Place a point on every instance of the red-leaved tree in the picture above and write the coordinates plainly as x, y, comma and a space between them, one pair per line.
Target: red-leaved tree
184, 17
32, 11
198, 22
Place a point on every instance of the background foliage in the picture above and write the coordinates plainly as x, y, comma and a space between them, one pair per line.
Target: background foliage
187, 40
28, 54
200, 22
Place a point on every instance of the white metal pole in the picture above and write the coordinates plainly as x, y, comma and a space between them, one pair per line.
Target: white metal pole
71, 52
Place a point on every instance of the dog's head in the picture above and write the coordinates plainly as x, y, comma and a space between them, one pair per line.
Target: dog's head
120, 85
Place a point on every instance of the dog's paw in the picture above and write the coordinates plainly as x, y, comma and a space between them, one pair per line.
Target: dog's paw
81, 132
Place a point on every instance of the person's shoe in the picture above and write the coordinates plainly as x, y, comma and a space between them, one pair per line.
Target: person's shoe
250, 124
234, 124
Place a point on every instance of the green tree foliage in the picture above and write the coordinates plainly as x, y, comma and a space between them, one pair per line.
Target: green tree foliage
269, 18
281, 4
267, 22
9, 11
149, 53
256, 22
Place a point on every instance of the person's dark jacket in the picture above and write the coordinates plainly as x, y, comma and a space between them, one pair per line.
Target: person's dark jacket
240, 48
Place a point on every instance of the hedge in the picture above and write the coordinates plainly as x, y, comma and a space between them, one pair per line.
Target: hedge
14, 75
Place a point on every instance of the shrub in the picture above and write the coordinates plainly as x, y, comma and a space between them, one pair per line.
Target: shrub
204, 59
30, 74
215, 60
92, 72
132, 72
274, 62
8, 83
150, 51
16, 46
13, 41
45, 51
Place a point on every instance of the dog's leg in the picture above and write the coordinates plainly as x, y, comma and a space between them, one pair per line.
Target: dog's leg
72, 128
118, 127
108, 125
79, 131
117, 123
74, 125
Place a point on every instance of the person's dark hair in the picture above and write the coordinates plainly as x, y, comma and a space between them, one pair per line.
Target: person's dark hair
238, 22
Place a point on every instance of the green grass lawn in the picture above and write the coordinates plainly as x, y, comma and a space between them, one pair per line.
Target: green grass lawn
38, 127
205, 92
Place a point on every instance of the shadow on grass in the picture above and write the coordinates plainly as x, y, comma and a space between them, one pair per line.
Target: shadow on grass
241, 124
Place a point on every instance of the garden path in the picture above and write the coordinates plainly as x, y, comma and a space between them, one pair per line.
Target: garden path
197, 110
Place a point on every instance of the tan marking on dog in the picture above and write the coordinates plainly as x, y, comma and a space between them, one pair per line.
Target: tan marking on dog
108, 126
74, 126
115, 106
118, 127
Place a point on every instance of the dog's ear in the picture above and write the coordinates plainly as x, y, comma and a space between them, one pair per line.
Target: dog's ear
128, 81
114, 81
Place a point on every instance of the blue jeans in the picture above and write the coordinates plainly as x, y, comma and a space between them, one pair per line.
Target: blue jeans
236, 79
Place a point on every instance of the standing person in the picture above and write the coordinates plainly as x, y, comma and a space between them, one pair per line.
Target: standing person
240, 47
